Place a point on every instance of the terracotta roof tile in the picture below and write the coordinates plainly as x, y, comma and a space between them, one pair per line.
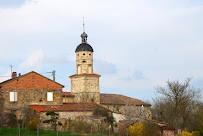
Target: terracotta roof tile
162, 124
71, 106
4, 82
68, 94
12, 79
117, 99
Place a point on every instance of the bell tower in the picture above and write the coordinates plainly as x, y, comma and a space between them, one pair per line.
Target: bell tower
85, 83
84, 57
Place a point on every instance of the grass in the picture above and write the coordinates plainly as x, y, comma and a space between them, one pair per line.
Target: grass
27, 132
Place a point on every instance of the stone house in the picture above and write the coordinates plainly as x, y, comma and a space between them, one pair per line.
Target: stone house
31, 88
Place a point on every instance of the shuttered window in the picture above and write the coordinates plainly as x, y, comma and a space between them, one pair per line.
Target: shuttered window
49, 96
13, 96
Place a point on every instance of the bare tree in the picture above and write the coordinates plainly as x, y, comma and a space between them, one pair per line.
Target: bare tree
4, 117
134, 113
177, 104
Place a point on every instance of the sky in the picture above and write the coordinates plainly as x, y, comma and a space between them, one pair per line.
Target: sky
138, 44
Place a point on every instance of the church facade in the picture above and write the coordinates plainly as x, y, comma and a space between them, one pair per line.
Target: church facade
42, 94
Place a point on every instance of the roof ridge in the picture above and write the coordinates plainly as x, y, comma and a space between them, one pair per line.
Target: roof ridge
90, 106
79, 102
120, 100
12, 79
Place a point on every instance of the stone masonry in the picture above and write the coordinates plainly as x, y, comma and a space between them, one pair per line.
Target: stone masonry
85, 88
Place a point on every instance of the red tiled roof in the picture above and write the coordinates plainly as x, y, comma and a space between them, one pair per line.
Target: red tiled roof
162, 124
68, 94
72, 106
117, 99
85, 74
6, 81
12, 79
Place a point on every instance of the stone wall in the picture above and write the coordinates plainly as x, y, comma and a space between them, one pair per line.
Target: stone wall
85, 88
30, 96
139, 111
62, 115
168, 133
68, 99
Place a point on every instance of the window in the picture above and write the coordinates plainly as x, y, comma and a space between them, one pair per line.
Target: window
90, 54
83, 61
49, 96
13, 96
83, 53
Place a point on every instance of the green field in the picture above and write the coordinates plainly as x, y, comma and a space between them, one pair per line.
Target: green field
26, 132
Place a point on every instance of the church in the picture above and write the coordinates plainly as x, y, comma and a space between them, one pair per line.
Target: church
43, 94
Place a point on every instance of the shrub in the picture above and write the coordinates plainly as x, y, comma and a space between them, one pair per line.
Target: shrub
122, 129
186, 133
33, 124
137, 129
196, 133
103, 112
80, 126
12, 120
151, 129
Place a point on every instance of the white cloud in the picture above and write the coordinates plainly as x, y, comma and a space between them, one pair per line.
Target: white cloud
34, 61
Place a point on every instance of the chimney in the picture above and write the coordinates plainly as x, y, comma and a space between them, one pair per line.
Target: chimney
14, 75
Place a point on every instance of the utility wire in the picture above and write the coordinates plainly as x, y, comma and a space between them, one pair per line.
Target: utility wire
4, 76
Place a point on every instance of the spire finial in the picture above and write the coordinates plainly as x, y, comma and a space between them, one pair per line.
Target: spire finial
84, 35
83, 25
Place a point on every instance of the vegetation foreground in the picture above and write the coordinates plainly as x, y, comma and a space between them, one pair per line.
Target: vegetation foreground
27, 132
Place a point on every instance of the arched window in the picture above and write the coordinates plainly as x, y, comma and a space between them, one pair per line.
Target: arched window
90, 69
79, 69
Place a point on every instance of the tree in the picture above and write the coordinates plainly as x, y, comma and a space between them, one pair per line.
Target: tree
103, 112
134, 113
26, 115
6, 119
178, 105
53, 120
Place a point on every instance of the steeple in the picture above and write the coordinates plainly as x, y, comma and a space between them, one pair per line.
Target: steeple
85, 84
84, 35
84, 46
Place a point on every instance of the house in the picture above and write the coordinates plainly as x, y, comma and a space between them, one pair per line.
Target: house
31, 88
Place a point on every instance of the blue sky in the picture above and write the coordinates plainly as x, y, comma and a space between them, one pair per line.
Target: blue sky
138, 44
